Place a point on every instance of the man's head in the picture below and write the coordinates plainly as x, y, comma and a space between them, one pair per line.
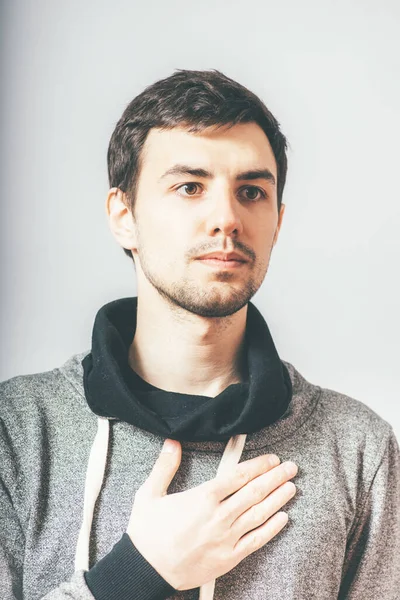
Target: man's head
197, 164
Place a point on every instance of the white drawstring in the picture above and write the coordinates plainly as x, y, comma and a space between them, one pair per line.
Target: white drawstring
230, 458
94, 480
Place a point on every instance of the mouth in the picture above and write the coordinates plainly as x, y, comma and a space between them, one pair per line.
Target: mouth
222, 264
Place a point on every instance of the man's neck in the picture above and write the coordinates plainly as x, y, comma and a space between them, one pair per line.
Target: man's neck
181, 352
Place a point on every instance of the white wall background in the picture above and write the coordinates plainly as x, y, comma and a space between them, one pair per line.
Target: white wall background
328, 70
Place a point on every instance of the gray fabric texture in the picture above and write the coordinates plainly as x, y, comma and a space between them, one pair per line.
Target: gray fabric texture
343, 536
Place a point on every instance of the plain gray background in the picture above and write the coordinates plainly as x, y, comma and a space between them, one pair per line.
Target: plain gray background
329, 71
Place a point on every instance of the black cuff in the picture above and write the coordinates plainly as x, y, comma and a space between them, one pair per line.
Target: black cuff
124, 574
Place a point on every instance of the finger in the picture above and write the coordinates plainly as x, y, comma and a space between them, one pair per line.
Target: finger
254, 540
228, 483
164, 469
257, 490
260, 513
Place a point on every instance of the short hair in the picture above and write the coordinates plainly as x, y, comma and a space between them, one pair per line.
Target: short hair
195, 100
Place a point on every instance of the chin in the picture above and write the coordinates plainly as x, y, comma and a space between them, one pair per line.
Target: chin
214, 304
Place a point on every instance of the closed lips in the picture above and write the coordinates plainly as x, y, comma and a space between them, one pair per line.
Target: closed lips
224, 257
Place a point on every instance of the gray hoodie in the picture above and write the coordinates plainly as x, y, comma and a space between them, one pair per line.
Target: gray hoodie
342, 539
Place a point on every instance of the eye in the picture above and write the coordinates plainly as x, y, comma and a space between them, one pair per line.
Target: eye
191, 189
254, 193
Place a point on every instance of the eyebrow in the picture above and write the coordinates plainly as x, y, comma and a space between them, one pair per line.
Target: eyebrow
181, 169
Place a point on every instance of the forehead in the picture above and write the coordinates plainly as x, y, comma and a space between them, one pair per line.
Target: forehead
239, 147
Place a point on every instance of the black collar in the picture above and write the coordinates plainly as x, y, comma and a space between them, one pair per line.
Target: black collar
112, 389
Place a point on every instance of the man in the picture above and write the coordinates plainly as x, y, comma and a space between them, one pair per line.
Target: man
197, 168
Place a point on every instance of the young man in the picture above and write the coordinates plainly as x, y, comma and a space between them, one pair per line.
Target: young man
197, 168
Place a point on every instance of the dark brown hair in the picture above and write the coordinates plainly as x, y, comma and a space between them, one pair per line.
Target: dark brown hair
196, 100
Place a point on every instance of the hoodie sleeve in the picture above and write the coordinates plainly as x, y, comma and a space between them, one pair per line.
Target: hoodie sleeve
372, 564
123, 574
11, 548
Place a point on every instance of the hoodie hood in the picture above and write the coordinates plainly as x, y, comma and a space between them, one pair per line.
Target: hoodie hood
114, 391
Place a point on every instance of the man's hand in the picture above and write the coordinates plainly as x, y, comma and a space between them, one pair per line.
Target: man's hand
195, 536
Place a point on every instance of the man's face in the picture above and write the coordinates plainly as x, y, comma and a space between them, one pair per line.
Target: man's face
224, 207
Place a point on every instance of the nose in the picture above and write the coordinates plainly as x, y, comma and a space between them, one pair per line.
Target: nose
224, 215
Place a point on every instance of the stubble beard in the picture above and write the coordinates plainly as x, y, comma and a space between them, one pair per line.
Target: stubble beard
216, 299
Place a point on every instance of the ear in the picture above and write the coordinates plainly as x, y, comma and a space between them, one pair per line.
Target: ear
281, 213
120, 218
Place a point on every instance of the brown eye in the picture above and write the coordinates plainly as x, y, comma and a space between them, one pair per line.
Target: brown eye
191, 189
253, 193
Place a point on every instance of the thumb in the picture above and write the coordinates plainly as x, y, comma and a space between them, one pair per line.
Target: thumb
165, 468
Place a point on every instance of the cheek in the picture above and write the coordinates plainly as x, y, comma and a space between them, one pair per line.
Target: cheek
263, 241
161, 242
152, 232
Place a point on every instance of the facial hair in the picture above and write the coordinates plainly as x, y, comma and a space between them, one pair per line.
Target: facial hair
215, 299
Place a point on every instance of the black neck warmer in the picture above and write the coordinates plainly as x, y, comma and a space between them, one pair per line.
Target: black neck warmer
113, 390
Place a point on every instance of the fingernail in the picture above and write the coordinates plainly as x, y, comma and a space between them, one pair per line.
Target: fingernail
291, 467
168, 446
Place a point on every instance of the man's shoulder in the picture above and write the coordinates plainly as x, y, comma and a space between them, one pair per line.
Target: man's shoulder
350, 414
342, 416
20, 391
353, 427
